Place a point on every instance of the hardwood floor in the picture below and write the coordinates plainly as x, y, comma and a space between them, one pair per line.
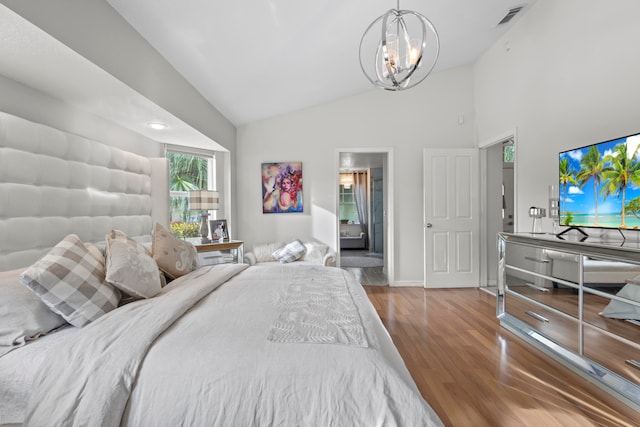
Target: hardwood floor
474, 373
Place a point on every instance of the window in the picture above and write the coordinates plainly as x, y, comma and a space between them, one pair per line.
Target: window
188, 171
348, 210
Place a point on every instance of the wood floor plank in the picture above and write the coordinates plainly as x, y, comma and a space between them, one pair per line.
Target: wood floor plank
475, 373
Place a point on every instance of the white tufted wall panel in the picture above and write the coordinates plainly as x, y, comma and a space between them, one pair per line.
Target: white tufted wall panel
53, 183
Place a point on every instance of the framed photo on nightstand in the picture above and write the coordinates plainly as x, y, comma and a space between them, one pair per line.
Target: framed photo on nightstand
219, 230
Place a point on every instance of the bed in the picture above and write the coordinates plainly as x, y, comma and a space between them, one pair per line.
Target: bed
232, 358
167, 343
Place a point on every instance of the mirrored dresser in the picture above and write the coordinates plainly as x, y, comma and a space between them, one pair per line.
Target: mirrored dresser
579, 302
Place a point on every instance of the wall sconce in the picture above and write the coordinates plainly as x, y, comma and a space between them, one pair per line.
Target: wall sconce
204, 201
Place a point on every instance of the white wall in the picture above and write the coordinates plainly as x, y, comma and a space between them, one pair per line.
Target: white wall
566, 75
96, 31
425, 116
30, 104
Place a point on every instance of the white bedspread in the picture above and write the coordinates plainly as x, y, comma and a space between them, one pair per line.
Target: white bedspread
214, 365
17, 370
318, 309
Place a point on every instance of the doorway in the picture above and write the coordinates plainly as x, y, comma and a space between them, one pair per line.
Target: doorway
498, 187
364, 232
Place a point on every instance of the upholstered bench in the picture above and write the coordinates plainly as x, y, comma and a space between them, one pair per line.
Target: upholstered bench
353, 242
314, 253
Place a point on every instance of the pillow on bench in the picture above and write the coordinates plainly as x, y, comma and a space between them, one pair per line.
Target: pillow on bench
290, 252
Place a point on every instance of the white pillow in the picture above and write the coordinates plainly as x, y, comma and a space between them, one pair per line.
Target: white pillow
23, 316
130, 266
174, 257
264, 253
315, 252
70, 280
622, 310
290, 252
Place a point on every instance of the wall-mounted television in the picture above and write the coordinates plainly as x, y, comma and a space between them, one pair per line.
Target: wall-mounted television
599, 184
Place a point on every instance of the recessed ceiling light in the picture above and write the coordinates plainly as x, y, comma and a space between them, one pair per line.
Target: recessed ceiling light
157, 125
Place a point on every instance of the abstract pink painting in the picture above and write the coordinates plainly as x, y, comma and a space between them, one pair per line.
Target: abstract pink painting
281, 187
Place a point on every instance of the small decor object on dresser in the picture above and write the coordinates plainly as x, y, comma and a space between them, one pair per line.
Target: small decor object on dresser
219, 230
282, 187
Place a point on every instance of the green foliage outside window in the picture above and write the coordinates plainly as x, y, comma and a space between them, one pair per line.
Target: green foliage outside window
186, 173
185, 229
509, 152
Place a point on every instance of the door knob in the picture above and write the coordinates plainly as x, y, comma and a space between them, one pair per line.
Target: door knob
429, 225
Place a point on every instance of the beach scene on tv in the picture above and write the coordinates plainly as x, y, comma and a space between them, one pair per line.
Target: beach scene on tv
600, 185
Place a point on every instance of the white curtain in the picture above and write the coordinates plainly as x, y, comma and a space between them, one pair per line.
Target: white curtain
360, 192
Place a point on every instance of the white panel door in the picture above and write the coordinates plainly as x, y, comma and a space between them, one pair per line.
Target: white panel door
451, 218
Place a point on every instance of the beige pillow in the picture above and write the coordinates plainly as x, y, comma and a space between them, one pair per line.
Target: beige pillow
130, 266
70, 280
174, 257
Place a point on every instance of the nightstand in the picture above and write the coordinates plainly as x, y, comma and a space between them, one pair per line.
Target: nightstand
231, 251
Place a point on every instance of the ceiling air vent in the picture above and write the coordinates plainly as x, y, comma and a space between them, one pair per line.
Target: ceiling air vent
509, 16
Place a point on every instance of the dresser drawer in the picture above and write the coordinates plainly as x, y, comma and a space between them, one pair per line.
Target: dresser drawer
564, 265
528, 258
544, 291
564, 330
616, 355
215, 257
596, 305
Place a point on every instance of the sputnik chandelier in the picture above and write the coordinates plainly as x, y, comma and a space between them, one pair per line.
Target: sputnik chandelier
399, 49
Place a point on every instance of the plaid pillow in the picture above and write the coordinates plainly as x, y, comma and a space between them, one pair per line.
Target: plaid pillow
70, 281
290, 252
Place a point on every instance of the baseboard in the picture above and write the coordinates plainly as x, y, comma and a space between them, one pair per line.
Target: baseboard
407, 284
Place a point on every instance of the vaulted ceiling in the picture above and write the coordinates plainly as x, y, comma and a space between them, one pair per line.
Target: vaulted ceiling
251, 59
255, 59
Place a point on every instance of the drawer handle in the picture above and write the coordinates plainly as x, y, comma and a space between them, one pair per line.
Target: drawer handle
539, 288
539, 261
633, 363
537, 316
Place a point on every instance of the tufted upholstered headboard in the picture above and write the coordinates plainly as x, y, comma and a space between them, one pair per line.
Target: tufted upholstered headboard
53, 183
